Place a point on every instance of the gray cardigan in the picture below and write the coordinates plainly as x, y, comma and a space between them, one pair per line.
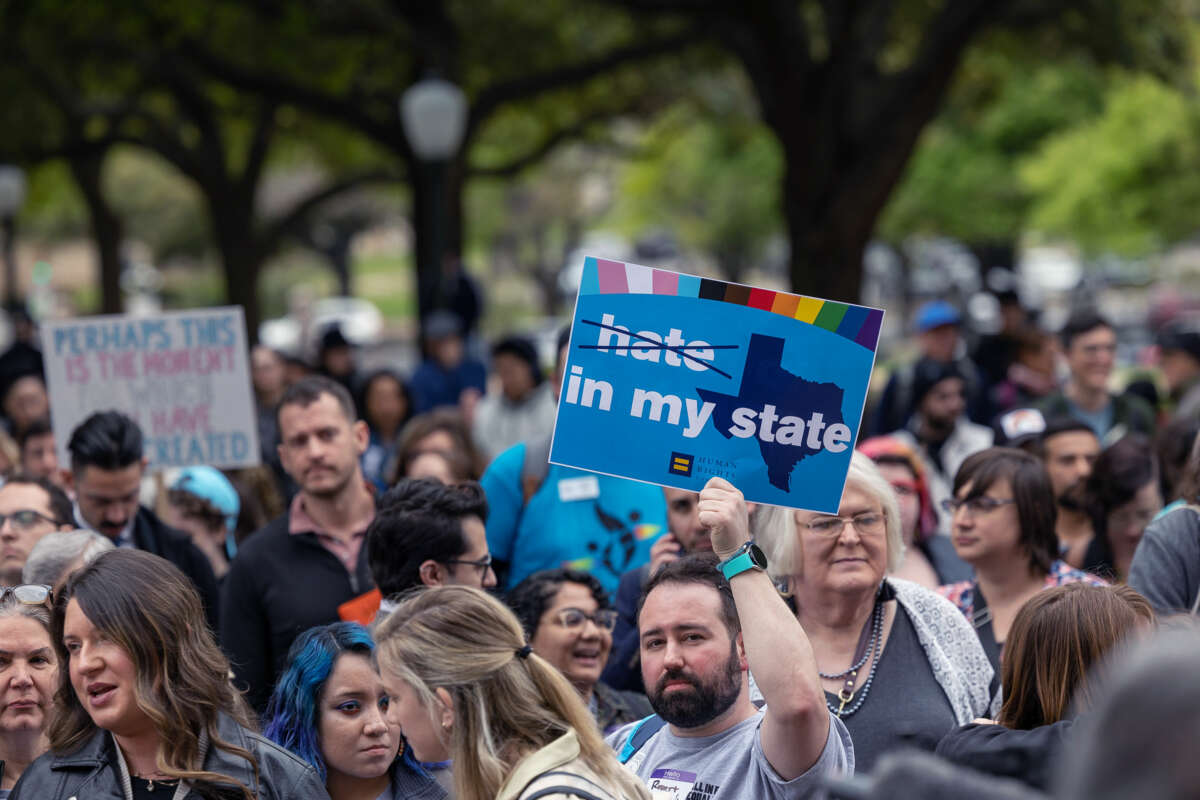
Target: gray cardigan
959, 664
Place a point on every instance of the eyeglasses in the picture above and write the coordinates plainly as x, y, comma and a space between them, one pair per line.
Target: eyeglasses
868, 522
483, 564
976, 505
572, 618
31, 594
26, 518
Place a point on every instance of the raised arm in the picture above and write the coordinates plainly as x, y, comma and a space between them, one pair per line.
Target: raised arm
780, 656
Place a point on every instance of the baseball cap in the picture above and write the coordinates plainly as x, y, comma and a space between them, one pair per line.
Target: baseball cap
209, 484
935, 314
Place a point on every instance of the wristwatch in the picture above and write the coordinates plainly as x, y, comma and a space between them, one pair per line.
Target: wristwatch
748, 556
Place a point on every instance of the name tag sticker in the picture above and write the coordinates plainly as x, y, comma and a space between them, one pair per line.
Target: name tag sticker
572, 489
671, 784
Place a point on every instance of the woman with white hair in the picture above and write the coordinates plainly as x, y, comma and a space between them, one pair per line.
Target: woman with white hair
56, 555
899, 665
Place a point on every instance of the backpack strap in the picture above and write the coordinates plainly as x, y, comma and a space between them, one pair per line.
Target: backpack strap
640, 734
570, 791
537, 789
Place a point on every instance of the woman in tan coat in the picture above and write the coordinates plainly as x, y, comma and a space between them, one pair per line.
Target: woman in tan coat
516, 727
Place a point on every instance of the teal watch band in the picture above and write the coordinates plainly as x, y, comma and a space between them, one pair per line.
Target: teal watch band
737, 565
748, 556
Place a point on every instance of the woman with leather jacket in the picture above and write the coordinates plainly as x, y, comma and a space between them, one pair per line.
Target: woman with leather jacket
144, 708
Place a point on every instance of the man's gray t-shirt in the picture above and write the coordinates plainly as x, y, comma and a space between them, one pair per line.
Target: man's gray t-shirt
1166, 564
730, 765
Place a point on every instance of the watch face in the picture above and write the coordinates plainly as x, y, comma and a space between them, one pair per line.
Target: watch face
757, 556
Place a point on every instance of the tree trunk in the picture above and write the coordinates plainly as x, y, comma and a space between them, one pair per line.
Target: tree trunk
241, 256
847, 132
828, 230
822, 265
242, 268
106, 227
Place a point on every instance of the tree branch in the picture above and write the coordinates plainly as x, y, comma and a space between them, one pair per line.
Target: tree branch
493, 97
348, 110
924, 81
564, 134
260, 145
158, 140
671, 6
71, 149
772, 41
197, 106
275, 231
59, 94
873, 31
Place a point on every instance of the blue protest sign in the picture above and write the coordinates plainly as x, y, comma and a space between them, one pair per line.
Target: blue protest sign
672, 379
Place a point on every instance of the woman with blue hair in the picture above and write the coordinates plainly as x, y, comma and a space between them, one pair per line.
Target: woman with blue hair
330, 708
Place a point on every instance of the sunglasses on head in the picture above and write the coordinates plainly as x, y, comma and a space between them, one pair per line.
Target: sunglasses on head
31, 594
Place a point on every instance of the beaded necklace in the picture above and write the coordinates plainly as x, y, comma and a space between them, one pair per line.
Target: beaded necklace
847, 695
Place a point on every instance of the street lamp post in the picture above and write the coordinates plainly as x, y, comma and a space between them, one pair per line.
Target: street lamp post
433, 112
12, 195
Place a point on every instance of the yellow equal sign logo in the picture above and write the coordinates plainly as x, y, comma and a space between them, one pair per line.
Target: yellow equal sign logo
681, 464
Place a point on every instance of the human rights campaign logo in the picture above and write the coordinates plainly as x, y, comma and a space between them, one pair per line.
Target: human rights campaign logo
681, 464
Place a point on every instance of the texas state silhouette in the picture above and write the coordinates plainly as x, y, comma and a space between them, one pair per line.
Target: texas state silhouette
765, 382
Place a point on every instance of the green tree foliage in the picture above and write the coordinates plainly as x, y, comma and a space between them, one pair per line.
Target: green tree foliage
848, 88
111, 74
963, 180
1126, 181
713, 182
536, 75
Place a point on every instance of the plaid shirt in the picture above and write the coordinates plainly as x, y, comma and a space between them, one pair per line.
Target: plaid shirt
962, 594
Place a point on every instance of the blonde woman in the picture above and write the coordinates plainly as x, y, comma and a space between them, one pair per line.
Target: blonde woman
515, 727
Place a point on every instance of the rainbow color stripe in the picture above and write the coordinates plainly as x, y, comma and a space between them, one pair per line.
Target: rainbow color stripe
859, 324
645, 531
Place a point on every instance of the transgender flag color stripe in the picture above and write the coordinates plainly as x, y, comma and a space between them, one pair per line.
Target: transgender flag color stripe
859, 324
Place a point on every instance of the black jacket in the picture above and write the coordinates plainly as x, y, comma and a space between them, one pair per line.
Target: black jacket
92, 771
280, 585
154, 536
1030, 756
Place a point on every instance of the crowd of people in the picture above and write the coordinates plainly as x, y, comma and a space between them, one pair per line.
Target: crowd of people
407, 600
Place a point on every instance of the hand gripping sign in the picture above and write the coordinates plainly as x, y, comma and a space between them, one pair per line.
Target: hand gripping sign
672, 379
